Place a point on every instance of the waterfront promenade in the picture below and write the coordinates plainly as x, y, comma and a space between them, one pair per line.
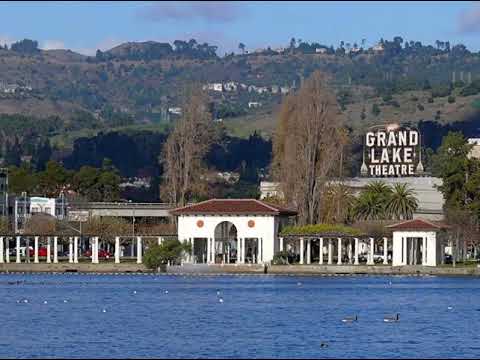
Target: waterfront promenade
312, 270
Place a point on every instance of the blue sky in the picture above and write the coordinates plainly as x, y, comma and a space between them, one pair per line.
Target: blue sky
85, 27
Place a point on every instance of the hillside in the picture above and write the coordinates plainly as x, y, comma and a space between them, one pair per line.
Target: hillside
140, 84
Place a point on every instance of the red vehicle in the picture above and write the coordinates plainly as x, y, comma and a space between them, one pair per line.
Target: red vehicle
42, 251
101, 254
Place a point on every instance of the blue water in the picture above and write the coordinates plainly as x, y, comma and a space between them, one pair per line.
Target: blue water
261, 316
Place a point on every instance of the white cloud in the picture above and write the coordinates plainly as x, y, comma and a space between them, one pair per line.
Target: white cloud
52, 45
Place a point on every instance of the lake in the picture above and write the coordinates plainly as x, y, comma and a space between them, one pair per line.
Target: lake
118, 316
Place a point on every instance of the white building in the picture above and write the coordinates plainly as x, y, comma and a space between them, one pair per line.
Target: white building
320, 50
270, 189
475, 151
230, 86
226, 231
254, 104
175, 110
417, 242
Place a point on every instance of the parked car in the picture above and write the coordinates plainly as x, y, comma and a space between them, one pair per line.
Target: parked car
42, 251
378, 258
101, 254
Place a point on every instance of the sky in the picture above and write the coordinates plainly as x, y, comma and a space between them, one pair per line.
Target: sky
85, 27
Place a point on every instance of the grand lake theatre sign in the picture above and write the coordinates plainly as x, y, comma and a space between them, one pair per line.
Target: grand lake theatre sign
392, 151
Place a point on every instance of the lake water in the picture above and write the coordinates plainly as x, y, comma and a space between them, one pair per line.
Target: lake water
260, 316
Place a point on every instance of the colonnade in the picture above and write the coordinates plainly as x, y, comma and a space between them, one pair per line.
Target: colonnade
257, 256
73, 249
352, 246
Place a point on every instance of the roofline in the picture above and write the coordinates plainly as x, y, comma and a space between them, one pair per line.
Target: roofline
439, 227
275, 211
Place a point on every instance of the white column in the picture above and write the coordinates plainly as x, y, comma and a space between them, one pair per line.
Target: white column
239, 246
70, 249
260, 249
49, 259
330, 252
309, 251
424, 251
281, 244
75, 249
2, 257
159, 240
350, 251
243, 250
301, 250
18, 250
320, 255
370, 253
55, 249
213, 250
356, 251
192, 255
117, 250
97, 249
7, 249
208, 250
139, 249
339, 253
385, 251
35, 250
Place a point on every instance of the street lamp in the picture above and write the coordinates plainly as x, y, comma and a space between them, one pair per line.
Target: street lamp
133, 224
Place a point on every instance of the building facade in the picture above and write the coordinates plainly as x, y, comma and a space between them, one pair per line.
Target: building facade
231, 231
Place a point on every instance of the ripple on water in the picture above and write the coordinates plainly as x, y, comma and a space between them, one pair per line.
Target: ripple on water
261, 316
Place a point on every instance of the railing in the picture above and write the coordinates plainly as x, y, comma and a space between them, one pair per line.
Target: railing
119, 205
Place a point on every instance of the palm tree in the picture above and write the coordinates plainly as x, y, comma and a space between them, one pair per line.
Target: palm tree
373, 201
369, 206
402, 202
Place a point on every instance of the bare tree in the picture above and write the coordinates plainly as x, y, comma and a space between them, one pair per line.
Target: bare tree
186, 147
306, 145
41, 224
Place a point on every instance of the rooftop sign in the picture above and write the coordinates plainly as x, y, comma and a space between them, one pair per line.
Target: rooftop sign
392, 151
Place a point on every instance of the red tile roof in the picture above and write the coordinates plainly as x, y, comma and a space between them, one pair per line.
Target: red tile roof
233, 206
416, 224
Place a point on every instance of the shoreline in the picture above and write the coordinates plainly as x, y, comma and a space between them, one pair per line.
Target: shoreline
287, 270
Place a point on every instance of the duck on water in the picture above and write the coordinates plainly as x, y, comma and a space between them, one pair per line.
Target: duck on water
349, 319
391, 318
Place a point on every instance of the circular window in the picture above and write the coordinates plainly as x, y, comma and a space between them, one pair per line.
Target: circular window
200, 223
251, 223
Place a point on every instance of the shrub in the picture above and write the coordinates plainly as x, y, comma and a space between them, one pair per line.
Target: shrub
312, 229
280, 258
375, 110
170, 250
430, 100
420, 107
451, 99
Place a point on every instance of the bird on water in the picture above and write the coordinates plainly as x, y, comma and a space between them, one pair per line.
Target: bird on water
349, 319
391, 318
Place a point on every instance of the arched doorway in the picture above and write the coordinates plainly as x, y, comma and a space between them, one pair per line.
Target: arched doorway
225, 243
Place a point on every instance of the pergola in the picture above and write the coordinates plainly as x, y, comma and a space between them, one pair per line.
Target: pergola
73, 246
346, 244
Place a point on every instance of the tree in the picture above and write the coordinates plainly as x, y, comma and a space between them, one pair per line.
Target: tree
107, 227
186, 147
375, 110
241, 46
169, 251
22, 179
306, 145
53, 179
337, 204
402, 203
41, 224
372, 202
25, 46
